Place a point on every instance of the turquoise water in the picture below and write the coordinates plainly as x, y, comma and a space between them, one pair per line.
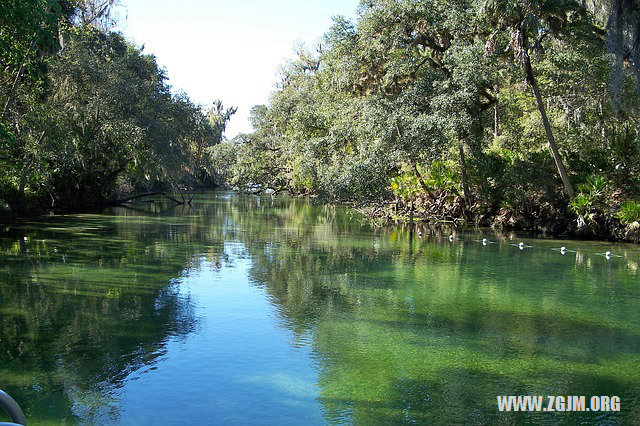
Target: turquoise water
260, 310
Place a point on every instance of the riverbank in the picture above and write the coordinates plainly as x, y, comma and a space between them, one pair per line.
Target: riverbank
441, 208
543, 220
122, 199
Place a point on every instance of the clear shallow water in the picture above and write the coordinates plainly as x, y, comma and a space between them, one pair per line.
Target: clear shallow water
247, 310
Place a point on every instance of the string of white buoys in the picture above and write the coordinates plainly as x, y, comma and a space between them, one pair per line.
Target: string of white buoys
521, 246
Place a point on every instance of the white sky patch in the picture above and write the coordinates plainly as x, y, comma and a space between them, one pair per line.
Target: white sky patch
228, 50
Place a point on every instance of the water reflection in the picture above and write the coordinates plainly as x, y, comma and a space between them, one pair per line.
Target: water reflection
365, 324
84, 301
422, 330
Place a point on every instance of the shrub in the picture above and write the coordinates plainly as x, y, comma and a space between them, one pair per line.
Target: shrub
442, 176
406, 185
591, 198
629, 212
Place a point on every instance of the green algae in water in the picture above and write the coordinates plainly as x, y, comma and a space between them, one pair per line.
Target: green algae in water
244, 309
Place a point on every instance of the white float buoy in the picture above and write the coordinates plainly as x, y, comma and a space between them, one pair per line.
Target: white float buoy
450, 237
563, 250
608, 255
484, 241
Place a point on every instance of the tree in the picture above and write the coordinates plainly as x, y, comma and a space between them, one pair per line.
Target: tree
112, 116
210, 127
28, 32
523, 20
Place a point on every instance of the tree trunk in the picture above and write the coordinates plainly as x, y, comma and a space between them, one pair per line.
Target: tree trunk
545, 121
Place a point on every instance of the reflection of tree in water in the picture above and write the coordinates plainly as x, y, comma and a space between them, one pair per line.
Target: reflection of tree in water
86, 300
425, 332
433, 332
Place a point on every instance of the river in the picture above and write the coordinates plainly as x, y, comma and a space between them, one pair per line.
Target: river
242, 309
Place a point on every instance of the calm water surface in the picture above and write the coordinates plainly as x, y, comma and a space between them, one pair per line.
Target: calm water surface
248, 310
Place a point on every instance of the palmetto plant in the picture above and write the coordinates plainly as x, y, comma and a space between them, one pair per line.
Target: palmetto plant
591, 198
629, 212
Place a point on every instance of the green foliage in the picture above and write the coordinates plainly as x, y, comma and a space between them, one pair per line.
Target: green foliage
242, 163
221, 157
208, 132
405, 185
424, 82
629, 212
7, 138
591, 197
109, 119
444, 85
86, 114
442, 176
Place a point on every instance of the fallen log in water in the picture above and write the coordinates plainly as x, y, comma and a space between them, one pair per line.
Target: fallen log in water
123, 201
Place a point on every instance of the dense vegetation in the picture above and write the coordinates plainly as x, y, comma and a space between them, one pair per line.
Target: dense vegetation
522, 113
512, 112
86, 114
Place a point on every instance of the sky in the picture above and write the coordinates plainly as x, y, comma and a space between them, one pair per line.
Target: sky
228, 50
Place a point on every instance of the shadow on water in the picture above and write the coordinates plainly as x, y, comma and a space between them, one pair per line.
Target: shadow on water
401, 329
